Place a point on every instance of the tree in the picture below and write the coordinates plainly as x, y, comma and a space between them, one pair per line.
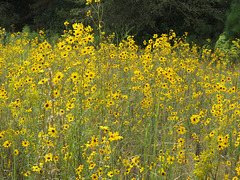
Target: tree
201, 18
232, 25
14, 14
51, 14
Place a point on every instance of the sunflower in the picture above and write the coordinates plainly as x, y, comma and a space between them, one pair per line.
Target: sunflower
25, 143
6, 144
52, 132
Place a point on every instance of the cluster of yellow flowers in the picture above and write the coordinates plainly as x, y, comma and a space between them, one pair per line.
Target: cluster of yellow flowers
77, 110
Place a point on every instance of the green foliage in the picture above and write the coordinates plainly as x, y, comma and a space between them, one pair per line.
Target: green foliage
53, 38
30, 35
233, 21
14, 15
202, 18
7, 15
222, 43
25, 34
227, 41
79, 11
50, 14
226, 46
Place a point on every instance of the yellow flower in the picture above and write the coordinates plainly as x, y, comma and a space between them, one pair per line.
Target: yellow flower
110, 173
36, 168
127, 171
170, 159
228, 163
94, 177
79, 169
179, 161
114, 136
47, 105
163, 173
27, 173
59, 76
6, 144
25, 143
48, 157
62, 111
195, 119
236, 143
208, 40
69, 106
74, 76
70, 118
56, 93
88, 13
181, 141
65, 126
52, 132
56, 158
42, 81
94, 141
16, 152
116, 171
220, 147
88, 2
66, 23
104, 128
1, 136
64, 54
92, 165
155, 36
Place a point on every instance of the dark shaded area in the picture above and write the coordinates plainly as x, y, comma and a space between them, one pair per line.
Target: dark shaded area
14, 15
202, 19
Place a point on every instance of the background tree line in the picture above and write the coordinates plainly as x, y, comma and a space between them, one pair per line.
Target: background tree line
202, 19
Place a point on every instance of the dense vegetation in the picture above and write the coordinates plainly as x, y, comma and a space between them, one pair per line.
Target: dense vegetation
96, 105
79, 110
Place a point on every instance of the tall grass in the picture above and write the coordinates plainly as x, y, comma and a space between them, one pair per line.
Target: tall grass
75, 110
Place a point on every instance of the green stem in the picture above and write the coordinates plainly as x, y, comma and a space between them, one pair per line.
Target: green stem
145, 148
155, 131
14, 165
